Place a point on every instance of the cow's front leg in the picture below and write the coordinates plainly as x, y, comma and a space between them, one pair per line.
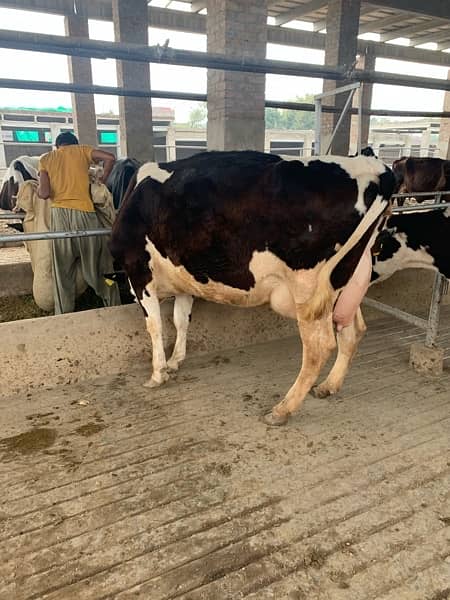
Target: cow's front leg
318, 341
150, 304
181, 316
348, 340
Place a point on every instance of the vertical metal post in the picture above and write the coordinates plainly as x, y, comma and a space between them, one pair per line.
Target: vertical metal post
341, 117
318, 125
360, 102
439, 289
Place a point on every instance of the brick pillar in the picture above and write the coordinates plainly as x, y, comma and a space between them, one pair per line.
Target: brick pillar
136, 132
340, 49
444, 130
80, 72
365, 61
236, 100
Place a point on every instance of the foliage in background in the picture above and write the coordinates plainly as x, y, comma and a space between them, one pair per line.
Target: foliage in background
281, 118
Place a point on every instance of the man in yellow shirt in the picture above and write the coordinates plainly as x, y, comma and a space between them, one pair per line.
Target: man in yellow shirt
64, 179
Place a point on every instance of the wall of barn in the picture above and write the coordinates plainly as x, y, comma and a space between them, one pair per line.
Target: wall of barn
68, 348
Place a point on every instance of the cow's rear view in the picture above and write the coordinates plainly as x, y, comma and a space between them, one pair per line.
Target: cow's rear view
246, 228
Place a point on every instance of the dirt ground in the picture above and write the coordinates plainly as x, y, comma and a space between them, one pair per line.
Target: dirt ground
112, 490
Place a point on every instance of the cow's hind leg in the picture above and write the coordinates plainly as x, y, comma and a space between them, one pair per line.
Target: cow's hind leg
151, 307
318, 341
181, 317
348, 340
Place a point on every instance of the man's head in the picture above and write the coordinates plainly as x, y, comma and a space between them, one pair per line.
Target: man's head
66, 139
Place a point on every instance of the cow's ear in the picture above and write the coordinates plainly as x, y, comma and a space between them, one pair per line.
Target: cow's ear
387, 183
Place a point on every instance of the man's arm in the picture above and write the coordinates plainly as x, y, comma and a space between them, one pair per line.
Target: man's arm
44, 185
108, 160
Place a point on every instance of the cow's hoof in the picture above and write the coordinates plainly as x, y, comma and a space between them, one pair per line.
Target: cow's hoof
319, 391
152, 383
275, 420
172, 365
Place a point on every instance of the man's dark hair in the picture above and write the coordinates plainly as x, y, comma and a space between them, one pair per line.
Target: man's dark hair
66, 139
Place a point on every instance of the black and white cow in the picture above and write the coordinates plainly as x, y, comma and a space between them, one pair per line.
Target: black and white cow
411, 240
245, 228
20, 170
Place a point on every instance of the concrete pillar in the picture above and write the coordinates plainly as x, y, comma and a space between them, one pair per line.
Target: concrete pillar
236, 100
444, 130
340, 49
363, 97
80, 72
136, 132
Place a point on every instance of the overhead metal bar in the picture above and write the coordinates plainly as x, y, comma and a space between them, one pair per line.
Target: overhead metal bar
196, 23
50, 86
51, 235
160, 54
166, 55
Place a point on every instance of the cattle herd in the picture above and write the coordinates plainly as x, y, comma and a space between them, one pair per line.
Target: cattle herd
248, 228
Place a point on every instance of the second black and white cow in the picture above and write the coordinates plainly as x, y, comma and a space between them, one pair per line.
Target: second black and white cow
411, 240
23, 168
245, 228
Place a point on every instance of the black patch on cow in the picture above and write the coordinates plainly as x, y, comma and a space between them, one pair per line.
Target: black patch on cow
387, 184
120, 177
8, 191
218, 208
19, 166
209, 161
146, 292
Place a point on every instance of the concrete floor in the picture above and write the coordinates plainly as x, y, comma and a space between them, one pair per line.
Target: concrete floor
111, 490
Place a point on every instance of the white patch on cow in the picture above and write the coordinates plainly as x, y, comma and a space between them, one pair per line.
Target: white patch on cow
133, 293
356, 166
181, 315
404, 258
309, 227
153, 322
31, 164
151, 169
337, 246
447, 212
269, 272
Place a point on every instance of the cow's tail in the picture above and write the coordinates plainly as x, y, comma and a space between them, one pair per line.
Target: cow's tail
322, 300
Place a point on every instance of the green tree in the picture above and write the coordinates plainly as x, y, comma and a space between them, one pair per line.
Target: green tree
281, 118
197, 116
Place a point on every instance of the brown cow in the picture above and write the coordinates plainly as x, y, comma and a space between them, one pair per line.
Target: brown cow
421, 175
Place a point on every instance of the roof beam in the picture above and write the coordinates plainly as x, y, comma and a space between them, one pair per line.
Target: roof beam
365, 10
375, 25
198, 5
437, 36
195, 23
405, 32
302, 10
430, 8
